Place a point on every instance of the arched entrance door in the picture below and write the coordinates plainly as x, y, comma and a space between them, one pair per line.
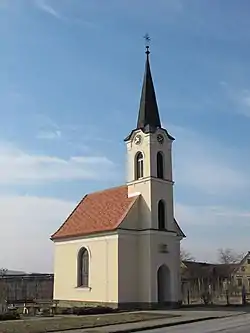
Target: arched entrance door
163, 284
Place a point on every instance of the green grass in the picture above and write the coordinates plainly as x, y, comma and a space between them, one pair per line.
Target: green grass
57, 323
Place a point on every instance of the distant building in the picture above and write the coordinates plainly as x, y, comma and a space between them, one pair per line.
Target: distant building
199, 277
20, 288
11, 272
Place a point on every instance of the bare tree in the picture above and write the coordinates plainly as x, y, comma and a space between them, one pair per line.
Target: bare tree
229, 256
186, 255
3, 289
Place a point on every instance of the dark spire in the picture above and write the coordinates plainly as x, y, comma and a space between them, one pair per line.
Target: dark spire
148, 118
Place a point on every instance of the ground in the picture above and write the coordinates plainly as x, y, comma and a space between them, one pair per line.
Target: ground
40, 325
199, 319
238, 324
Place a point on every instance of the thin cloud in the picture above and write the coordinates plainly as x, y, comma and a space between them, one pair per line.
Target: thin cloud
244, 98
47, 8
46, 121
223, 83
221, 225
49, 135
202, 215
239, 98
20, 167
205, 168
33, 219
205, 165
47, 214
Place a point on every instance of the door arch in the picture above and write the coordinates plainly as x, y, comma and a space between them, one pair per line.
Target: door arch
163, 284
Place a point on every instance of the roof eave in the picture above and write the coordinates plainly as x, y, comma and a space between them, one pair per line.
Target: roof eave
147, 130
96, 232
180, 232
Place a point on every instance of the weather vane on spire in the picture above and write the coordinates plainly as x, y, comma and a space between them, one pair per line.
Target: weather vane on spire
147, 42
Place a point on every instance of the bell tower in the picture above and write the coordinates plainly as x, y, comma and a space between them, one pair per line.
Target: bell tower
149, 175
149, 160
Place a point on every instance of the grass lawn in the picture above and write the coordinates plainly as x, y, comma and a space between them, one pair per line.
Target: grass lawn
57, 323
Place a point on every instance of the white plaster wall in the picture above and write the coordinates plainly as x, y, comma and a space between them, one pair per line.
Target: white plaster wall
162, 190
141, 185
123, 266
152, 190
144, 210
131, 221
166, 149
103, 278
132, 149
170, 259
151, 260
150, 187
128, 267
139, 260
144, 268
149, 148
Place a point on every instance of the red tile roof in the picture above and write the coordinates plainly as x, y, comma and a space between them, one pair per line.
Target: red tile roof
97, 212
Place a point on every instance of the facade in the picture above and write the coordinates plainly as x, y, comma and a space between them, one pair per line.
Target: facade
240, 275
121, 246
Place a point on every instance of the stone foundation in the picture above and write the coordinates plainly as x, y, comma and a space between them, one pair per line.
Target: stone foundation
71, 304
122, 306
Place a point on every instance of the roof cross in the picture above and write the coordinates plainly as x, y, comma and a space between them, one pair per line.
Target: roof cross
147, 42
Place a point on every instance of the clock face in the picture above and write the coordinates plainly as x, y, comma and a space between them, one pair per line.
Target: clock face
160, 138
138, 139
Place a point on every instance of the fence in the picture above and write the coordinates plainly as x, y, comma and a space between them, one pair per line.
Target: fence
231, 295
21, 289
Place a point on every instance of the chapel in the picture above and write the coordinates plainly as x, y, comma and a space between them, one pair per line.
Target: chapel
120, 247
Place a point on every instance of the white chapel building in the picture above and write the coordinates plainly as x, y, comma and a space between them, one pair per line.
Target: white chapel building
121, 247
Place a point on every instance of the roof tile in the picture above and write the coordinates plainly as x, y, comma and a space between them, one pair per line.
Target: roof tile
97, 212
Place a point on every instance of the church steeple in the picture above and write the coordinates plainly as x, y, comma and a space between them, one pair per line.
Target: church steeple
148, 117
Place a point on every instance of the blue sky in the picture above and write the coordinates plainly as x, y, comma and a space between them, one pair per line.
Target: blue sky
71, 74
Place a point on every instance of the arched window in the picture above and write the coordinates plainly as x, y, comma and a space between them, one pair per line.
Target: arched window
139, 166
161, 215
160, 165
83, 268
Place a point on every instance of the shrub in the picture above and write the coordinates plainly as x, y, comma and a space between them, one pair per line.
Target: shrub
45, 312
67, 311
92, 310
206, 298
9, 316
